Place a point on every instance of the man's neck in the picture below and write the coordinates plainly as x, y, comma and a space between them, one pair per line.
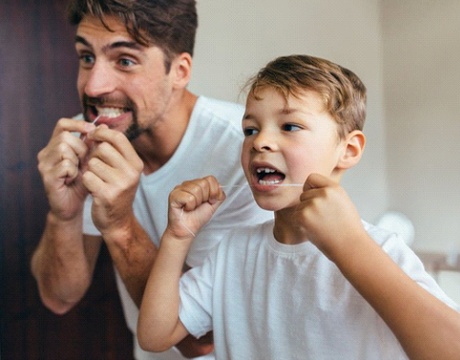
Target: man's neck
158, 145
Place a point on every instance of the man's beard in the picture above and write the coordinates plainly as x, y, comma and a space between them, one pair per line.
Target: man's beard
133, 131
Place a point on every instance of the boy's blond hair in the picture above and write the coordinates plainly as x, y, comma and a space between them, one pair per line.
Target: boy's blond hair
343, 92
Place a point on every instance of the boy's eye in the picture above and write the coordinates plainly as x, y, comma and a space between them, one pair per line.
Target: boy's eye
249, 131
291, 127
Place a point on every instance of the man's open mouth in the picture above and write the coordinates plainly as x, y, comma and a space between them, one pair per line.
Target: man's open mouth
109, 112
269, 176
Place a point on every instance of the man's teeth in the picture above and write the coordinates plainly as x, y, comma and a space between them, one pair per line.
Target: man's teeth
109, 112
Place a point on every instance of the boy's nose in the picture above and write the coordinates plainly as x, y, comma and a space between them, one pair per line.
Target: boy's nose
263, 142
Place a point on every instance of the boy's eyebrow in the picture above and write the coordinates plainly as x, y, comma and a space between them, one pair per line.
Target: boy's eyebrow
247, 116
117, 44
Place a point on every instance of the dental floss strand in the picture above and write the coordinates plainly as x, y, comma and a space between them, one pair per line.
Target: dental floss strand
226, 186
93, 122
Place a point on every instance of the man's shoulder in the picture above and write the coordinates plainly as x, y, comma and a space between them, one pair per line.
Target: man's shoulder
220, 108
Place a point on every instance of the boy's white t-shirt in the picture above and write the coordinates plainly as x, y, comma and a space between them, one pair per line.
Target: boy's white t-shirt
267, 300
210, 146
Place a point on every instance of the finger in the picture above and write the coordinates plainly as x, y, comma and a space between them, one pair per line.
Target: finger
315, 181
116, 138
108, 164
216, 192
72, 125
191, 194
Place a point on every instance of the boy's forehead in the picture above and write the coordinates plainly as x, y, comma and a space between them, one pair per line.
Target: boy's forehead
272, 96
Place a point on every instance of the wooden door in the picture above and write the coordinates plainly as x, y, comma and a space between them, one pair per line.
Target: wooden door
38, 68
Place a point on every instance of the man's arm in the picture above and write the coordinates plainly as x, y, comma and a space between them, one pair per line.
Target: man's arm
64, 260
63, 263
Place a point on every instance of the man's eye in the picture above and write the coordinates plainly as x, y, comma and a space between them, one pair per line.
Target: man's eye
87, 59
126, 62
249, 131
291, 127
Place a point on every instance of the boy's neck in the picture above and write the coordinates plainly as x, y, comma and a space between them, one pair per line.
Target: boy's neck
284, 230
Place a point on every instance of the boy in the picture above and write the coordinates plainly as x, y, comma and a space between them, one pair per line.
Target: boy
314, 282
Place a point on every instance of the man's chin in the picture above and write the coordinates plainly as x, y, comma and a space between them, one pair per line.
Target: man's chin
133, 132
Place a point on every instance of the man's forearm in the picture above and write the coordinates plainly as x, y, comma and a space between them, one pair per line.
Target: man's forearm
61, 264
133, 254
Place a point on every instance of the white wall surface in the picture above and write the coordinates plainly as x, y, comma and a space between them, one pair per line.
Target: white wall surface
236, 38
422, 98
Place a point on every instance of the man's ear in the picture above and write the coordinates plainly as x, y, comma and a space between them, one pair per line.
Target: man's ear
354, 144
182, 68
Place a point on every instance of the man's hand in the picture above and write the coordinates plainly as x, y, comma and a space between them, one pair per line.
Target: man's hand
192, 347
59, 166
112, 176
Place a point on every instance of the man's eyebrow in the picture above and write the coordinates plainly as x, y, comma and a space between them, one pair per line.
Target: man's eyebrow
117, 44
82, 40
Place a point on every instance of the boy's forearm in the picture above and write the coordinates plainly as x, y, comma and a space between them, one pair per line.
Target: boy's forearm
411, 312
159, 327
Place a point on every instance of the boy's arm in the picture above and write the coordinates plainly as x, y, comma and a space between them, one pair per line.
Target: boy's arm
425, 326
191, 205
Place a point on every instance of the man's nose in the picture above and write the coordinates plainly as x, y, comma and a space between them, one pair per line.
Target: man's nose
100, 80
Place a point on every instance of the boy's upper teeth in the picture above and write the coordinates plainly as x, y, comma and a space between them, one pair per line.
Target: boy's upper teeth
109, 112
265, 170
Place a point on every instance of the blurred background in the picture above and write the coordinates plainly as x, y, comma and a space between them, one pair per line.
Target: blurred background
404, 51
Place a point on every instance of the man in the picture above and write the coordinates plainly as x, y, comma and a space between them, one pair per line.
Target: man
144, 133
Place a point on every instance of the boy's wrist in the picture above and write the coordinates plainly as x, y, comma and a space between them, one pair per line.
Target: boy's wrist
178, 243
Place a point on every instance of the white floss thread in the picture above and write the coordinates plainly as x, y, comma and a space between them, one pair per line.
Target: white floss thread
223, 187
184, 225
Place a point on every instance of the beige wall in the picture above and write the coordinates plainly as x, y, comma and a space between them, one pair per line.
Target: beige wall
422, 98
407, 54
236, 38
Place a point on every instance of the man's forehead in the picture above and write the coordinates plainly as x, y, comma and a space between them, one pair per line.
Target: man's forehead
111, 28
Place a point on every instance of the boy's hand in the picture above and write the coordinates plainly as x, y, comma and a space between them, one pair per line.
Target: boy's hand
192, 204
327, 216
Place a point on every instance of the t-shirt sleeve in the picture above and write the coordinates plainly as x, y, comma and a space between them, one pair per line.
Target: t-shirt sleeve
411, 264
196, 294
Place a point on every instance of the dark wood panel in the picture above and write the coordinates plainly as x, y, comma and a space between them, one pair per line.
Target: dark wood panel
38, 68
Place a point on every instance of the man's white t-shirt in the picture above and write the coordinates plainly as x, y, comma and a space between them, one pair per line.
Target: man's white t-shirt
210, 146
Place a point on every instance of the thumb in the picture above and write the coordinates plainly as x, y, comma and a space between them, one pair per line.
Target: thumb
315, 181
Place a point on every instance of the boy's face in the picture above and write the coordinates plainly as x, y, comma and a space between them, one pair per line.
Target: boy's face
124, 82
286, 141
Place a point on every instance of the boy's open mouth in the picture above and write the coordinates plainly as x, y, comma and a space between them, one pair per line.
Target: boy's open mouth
269, 176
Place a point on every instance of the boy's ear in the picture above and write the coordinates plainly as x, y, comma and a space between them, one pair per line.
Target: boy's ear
354, 145
182, 68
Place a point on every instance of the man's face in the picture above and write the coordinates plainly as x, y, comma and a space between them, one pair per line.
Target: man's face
121, 82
